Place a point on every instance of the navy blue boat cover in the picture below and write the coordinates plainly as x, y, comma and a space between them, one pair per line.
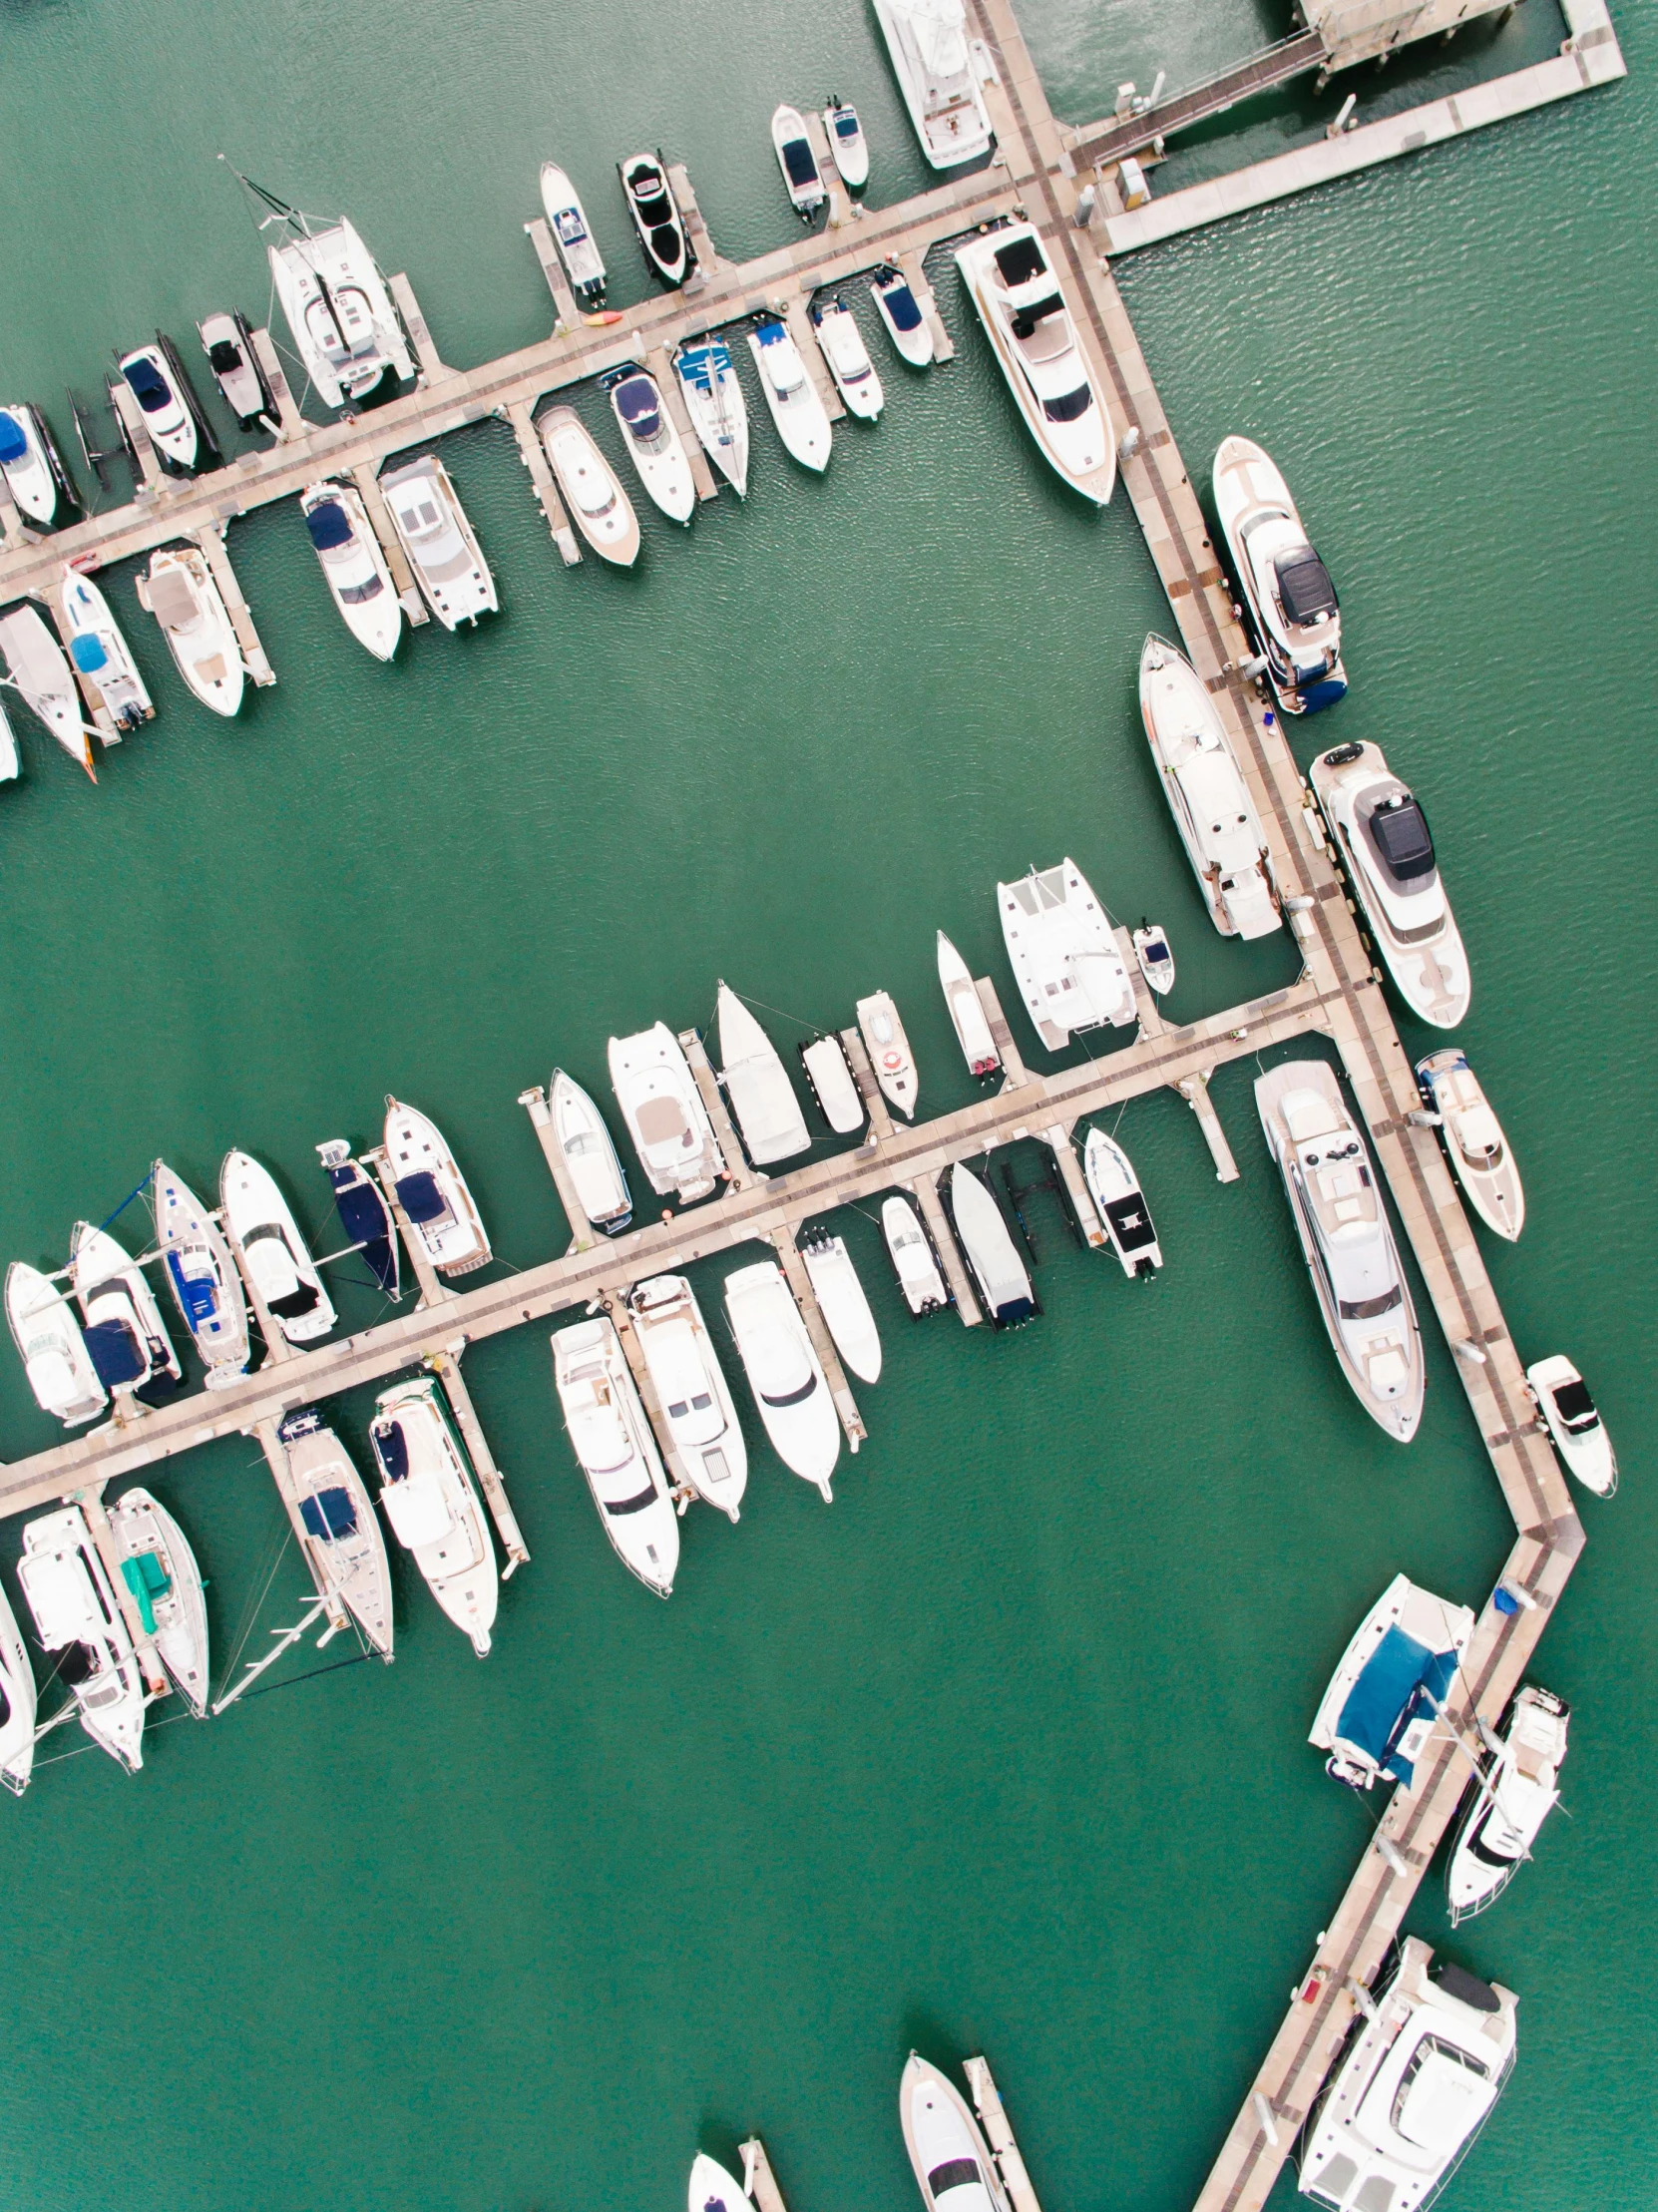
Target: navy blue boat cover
13, 444
330, 1514
116, 1354
419, 1196
391, 1449
1401, 1681
329, 525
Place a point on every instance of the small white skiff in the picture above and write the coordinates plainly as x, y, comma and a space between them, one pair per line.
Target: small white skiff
843, 347
102, 655
567, 221
913, 1258
1574, 1421
846, 1309
967, 1013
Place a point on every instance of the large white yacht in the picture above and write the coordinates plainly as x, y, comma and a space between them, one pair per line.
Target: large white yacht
763, 1102
205, 1286
1573, 1420
1508, 1801
933, 60
653, 443
1022, 304
1384, 1699
342, 1538
273, 1251
54, 1353
68, 1590
617, 1452
340, 313
802, 419
125, 1333
1287, 586
179, 589
159, 1569
589, 1154
783, 1372
997, 1266
603, 513
18, 1698
691, 1390
1064, 955
953, 2166
719, 412
102, 655
1207, 795
567, 219
427, 1494
433, 1192
666, 1116
441, 545
353, 567
1474, 1137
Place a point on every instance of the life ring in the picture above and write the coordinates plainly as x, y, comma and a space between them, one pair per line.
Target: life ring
892, 1060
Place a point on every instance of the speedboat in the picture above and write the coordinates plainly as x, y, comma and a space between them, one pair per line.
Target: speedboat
656, 216
1063, 954
603, 512
433, 1192
1349, 1247
1426, 2059
1384, 1699
801, 418
802, 178
982, 1230
272, 1250
168, 415
205, 1286
440, 542
666, 1116
845, 1308
340, 313
179, 589
341, 1536
690, 1390
719, 412
907, 327
17, 1705
32, 465
44, 681
68, 1590
829, 1078
713, 2189
1116, 1190
756, 1082
617, 1452
653, 444
1207, 795
783, 1372
159, 1569
591, 1156
125, 1334
1022, 304
363, 1213
567, 219
1287, 586
102, 655
927, 42
1381, 834
912, 1255
1574, 1421
353, 566
427, 1494
966, 1015
1156, 959
1474, 1137
1514, 1794
953, 2169
888, 1050
227, 341
843, 347
847, 143
54, 1353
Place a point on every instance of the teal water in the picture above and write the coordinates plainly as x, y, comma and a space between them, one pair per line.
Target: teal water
1004, 1750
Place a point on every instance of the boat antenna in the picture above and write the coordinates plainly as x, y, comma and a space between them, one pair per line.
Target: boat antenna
277, 211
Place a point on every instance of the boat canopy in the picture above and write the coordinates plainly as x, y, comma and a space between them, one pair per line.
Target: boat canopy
1304, 585
800, 163
329, 1514
846, 124
116, 1352
171, 601
391, 1449
224, 358
1020, 260
1403, 1681
87, 653
419, 1196
329, 525
14, 446
149, 387
363, 1216
636, 404
901, 306
147, 1579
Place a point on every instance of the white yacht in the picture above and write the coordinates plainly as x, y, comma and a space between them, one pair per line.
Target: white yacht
1116, 1190
656, 216
428, 1495
1574, 1423
32, 465
205, 1286
1387, 849
272, 1250
179, 589
364, 1213
713, 2189
802, 178
997, 1266
664, 1114
953, 2166
789, 1385
1384, 1699
1063, 953
719, 412
888, 1050
441, 546
159, 1569
125, 1333
913, 1257
67, 1591
829, 1075
967, 1013
341, 315
847, 144
433, 1192
167, 414
1156, 957
763, 1102
102, 655
691, 1390
44, 681
589, 1154
1336, 1203
1022, 304
353, 567
341, 1536
617, 1452
17, 1705
1286, 585
1207, 795
54, 1353
1514, 1793
842, 345
841, 1299
227, 341
906, 325
801, 418
1474, 1137
592, 491
653, 444
933, 62
1425, 2063
567, 219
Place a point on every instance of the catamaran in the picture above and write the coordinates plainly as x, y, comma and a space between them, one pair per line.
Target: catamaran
338, 308
1063, 954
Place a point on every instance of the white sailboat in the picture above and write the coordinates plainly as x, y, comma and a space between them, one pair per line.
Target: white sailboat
439, 542
1019, 298
589, 1154
17, 1705
603, 513
205, 1286
179, 589
617, 1452
934, 63
719, 412
889, 1052
1207, 795
845, 1308
653, 444
691, 1390
1063, 954
763, 1102
784, 1374
428, 1495
273, 1249
49, 1342
67, 1591
999, 1267
125, 1334
102, 655
567, 219
353, 567
433, 1192
967, 1013
666, 1116
43, 679
159, 1569
800, 416
341, 1536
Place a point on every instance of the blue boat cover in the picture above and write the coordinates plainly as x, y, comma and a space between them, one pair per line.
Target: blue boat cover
197, 1294
636, 404
1402, 1680
329, 525
329, 1514
149, 385
362, 1212
116, 1353
771, 333
14, 446
798, 161
419, 1196
391, 1449
900, 304
87, 653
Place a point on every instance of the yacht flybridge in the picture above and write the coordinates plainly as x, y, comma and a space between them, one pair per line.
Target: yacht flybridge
1508, 1801
1474, 1137
934, 63
1287, 586
691, 1390
617, 1452
427, 1495
719, 412
1207, 795
763, 1102
952, 2162
567, 221
433, 1192
1022, 304
1385, 1698
1063, 953
666, 1116
338, 308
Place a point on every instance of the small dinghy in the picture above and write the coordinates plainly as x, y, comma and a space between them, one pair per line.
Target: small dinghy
364, 1213
567, 219
227, 341
691, 1390
74, 1610
125, 1333
1156, 959
1116, 1190
843, 347
102, 655
967, 1013
653, 444
1003, 1278
888, 1050
54, 1353
1474, 1137
899, 309
603, 513
802, 178
832, 1083
656, 216
17, 1705
1384, 1698
427, 1495
179, 589
33, 467
272, 1251
847, 143
169, 416
617, 1452
719, 412
664, 1114
1508, 1803
433, 1192
846, 1310
953, 2166
1574, 1423
1063, 954
713, 2189
597, 1172
756, 1082
353, 567
441, 545
44, 681
158, 1567
341, 1536
913, 1257
205, 1286
801, 418
789, 1386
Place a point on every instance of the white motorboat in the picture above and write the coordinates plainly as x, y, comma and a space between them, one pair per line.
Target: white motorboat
433, 1192
763, 1102
340, 313
567, 219
32, 465
1020, 300
44, 681
441, 545
1382, 835
1336, 1203
713, 2189
428, 1495
830, 1079
783, 1371
1207, 795
953, 2169
17, 1705
205, 1286
353, 567
364, 1213
68, 1590
159, 1569
845, 1308
802, 178
179, 589
997, 1266
1285, 585
1155, 958
691, 1390
930, 57
842, 345
617, 1452
801, 416
1474, 1137
61, 1374
167, 414
589, 1154
889, 1052
1512, 1797
913, 1257
1384, 1699
341, 1536
847, 147
125, 1334
102, 655
227, 341
1427, 2060
1064, 954
899, 309
666, 1116
603, 513
1574, 1421
719, 412
268, 1241
653, 444
967, 1013
1116, 1190
656, 216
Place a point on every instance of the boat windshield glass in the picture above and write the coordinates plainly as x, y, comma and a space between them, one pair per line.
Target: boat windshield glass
1020, 261
568, 224
955, 2173
1304, 585
1070, 406
1371, 1309
1399, 830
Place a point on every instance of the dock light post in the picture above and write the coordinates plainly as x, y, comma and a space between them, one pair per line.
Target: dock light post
1130, 443
1084, 207
1465, 1349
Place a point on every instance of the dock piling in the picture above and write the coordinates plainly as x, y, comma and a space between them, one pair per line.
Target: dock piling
863, 1074
758, 2178
817, 1328
210, 539
426, 352
446, 1366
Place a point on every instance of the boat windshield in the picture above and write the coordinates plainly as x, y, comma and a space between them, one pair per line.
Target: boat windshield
1070, 406
1404, 845
1371, 1309
1574, 1405
955, 2173
1304, 585
570, 227
846, 124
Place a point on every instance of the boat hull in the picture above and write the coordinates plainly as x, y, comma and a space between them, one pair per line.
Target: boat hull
790, 1390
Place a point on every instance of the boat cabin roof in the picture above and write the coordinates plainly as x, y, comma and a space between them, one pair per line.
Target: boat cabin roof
1304, 585
1397, 833
1020, 261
